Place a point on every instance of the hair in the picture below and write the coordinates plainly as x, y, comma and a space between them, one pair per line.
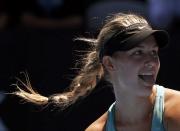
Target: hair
92, 69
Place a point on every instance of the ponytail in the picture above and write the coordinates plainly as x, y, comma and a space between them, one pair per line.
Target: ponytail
87, 79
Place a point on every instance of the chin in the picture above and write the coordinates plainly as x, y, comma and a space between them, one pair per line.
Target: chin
146, 92
146, 88
147, 84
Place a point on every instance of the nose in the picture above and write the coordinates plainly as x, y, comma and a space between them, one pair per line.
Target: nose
151, 62
149, 65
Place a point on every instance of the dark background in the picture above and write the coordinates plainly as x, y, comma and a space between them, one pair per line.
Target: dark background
38, 38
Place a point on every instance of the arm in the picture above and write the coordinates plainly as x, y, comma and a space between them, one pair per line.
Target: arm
172, 111
99, 124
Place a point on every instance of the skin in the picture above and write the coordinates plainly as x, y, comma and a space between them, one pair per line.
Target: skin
135, 96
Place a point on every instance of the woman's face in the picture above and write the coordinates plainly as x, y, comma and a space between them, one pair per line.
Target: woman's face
137, 67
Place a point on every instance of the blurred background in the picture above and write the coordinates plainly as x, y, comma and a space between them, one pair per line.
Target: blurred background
36, 36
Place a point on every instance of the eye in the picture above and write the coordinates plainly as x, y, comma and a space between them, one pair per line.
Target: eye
154, 53
138, 52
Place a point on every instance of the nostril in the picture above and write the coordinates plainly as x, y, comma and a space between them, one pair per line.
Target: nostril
149, 64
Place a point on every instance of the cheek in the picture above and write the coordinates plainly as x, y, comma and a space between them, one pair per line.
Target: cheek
158, 65
128, 68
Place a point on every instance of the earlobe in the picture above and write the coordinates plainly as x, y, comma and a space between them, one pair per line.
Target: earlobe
107, 62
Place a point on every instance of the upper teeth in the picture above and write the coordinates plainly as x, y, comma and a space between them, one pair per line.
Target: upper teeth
147, 74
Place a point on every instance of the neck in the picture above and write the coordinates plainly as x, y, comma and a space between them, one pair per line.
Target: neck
131, 110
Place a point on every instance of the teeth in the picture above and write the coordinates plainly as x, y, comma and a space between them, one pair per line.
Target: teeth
147, 74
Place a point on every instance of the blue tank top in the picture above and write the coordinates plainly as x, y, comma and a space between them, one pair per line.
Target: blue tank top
157, 120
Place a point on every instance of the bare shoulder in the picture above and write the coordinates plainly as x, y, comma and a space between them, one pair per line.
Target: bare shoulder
172, 100
172, 109
98, 125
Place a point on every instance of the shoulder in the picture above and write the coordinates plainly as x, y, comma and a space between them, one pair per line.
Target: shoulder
172, 109
98, 125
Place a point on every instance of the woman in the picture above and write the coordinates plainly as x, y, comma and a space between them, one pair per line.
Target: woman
125, 53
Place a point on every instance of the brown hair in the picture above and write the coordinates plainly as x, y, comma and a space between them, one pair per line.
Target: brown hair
92, 69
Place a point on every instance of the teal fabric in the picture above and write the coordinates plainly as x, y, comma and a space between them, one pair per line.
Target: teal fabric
110, 124
157, 121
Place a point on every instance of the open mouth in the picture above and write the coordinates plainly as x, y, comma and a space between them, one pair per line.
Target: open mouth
148, 78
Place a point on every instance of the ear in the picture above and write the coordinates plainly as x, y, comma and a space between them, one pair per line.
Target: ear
108, 63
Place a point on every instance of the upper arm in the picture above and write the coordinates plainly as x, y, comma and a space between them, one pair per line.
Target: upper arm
173, 122
98, 125
172, 112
